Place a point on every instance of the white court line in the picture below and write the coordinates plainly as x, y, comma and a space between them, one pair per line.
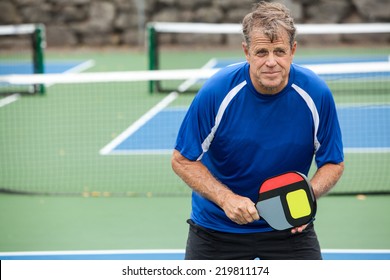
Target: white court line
378, 150
139, 123
357, 251
383, 150
368, 105
162, 251
94, 252
109, 148
142, 152
9, 99
77, 69
187, 84
81, 67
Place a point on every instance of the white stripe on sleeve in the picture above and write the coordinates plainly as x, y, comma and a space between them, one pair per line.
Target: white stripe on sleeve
221, 110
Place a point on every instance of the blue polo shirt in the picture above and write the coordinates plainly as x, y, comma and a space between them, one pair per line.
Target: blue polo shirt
244, 137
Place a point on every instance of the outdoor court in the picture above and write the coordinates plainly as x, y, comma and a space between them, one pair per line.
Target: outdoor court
99, 137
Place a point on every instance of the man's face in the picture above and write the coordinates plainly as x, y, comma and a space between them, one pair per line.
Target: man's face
269, 61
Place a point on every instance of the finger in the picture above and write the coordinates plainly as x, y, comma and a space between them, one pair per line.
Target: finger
241, 210
244, 217
241, 217
298, 229
250, 214
254, 213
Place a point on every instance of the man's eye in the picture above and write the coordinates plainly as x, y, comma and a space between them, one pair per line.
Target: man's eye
280, 52
261, 53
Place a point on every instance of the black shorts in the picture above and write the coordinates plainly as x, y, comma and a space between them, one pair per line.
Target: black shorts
206, 244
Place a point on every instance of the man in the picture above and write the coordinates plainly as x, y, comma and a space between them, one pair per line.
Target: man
249, 122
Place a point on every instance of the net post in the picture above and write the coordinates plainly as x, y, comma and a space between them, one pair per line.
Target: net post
152, 52
39, 44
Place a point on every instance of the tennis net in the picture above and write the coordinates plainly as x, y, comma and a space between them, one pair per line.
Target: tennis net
103, 134
22, 52
205, 35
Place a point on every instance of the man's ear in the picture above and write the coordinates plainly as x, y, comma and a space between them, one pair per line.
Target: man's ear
246, 50
294, 48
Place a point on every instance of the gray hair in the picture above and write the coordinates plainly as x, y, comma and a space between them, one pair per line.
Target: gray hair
269, 17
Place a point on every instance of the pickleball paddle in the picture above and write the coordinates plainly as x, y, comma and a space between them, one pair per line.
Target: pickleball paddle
287, 201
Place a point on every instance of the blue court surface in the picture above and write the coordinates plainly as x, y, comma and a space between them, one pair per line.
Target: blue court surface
172, 255
365, 128
51, 67
157, 136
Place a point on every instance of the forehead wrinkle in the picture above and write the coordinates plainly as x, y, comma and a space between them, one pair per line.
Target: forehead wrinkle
259, 38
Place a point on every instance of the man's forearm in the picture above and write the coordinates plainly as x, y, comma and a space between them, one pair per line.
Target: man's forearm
239, 209
197, 176
326, 177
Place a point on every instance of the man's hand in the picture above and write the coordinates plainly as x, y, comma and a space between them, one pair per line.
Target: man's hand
298, 229
239, 209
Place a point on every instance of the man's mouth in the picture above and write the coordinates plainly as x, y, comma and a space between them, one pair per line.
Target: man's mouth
271, 73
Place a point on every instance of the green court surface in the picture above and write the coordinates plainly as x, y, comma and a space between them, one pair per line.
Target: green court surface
33, 223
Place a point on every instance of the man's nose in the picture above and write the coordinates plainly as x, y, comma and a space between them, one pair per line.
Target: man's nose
271, 61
